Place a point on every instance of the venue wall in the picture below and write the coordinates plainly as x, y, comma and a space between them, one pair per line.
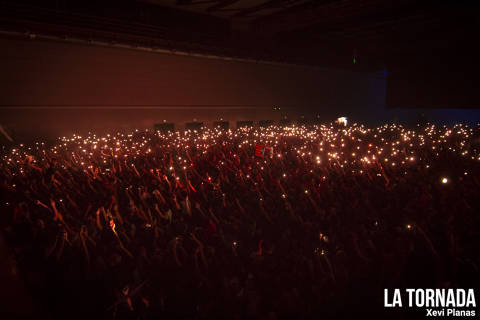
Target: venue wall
51, 88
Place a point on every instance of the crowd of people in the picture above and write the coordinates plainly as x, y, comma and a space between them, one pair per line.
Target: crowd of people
195, 225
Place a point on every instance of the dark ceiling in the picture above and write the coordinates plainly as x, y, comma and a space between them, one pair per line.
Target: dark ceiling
380, 34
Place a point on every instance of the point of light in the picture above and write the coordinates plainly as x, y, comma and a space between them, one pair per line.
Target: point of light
342, 120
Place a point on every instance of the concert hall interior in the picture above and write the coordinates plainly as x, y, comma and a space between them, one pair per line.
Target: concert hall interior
238, 159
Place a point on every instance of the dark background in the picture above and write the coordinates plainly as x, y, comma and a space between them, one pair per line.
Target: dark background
69, 65
56, 88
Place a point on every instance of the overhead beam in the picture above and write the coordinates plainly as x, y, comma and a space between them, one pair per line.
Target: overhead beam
270, 4
192, 2
221, 5
327, 13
